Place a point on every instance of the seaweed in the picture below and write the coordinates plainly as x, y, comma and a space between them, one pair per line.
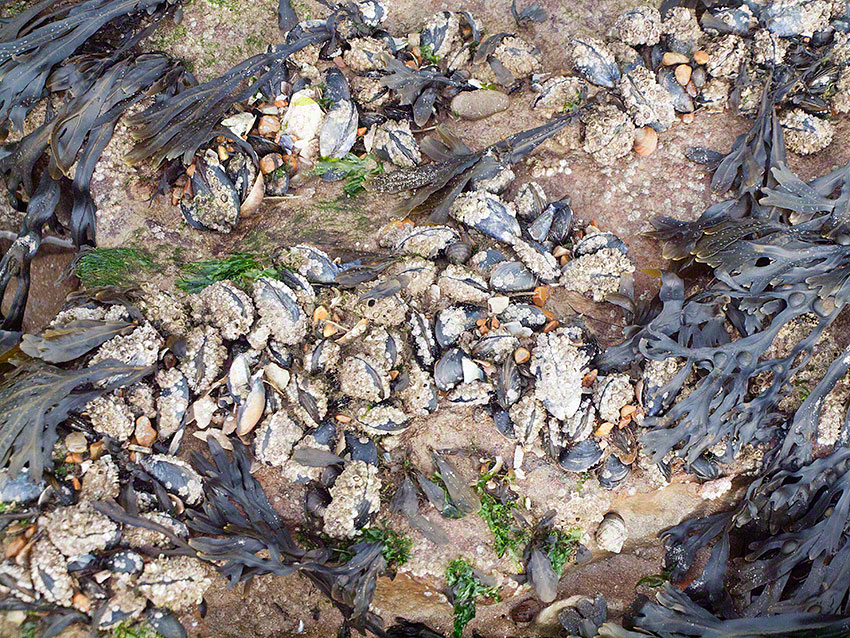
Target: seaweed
96, 267
35, 399
69, 341
497, 510
354, 170
436, 185
177, 126
240, 533
532, 13
466, 584
418, 88
241, 267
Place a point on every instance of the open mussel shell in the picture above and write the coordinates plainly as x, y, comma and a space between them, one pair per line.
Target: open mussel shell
318, 267
512, 276
316, 501
704, 468
612, 472
19, 489
508, 384
562, 221
582, 456
485, 260
456, 367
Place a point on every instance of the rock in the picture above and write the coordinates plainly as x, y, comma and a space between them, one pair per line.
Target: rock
76, 442
670, 58
145, 432
683, 74
701, 57
476, 105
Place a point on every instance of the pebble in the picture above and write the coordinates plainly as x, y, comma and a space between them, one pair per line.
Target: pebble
145, 432
646, 141
611, 533
671, 57
76, 442
271, 162
701, 57
498, 304
683, 74
268, 126
687, 118
14, 548
541, 296
476, 105
521, 355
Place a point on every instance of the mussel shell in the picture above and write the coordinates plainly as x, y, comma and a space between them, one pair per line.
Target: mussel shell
19, 489
280, 354
539, 229
584, 617
325, 434
485, 260
612, 472
361, 449
512, 276
313, 363
391, 421
582, 456
562, 221
320, 268
738, 20
436, 31
525, 314
452, 322
241, 171
423, 342
508, 384
215, 191
178, 480
276, 184
704, 468
495, 346
455, 367
165, 623
125, 561
596, 68
682, 102
597, 241
504, 424
299, 284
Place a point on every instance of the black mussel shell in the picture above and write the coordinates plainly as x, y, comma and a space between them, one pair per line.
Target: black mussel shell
581, 457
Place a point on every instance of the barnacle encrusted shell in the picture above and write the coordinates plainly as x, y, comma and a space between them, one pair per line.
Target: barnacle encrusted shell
281, 317
559, 366
100, 482
224, 306
358, 482
393, 141
611, 533
517, 56
172, 402
462, 284
139, 348
364, 378
205, 354
78, 529
110, 415
140, 537
725, 56
49, 573
610, 394
275, 439
597, 274
641, 25
806, 133
646, 101
365, 54
609, 134
174, 582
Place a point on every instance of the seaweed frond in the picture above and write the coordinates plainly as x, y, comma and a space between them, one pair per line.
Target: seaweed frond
242, 268
354, 170
465, 586
112, 266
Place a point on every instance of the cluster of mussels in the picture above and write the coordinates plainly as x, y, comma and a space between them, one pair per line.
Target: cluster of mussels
322, 366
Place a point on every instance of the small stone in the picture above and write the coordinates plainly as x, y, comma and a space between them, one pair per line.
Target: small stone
343, 418
559, 252
96, 450
646, 140
541, 296
271, 162
521, 355
687, 118
82, 602
15, 547
476, 105
329, 330
683, 74
604, 429
145, 432
549, 327
76, 442
320, 314
671, 57
701, 57
498, 304
268, 126
627, 410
